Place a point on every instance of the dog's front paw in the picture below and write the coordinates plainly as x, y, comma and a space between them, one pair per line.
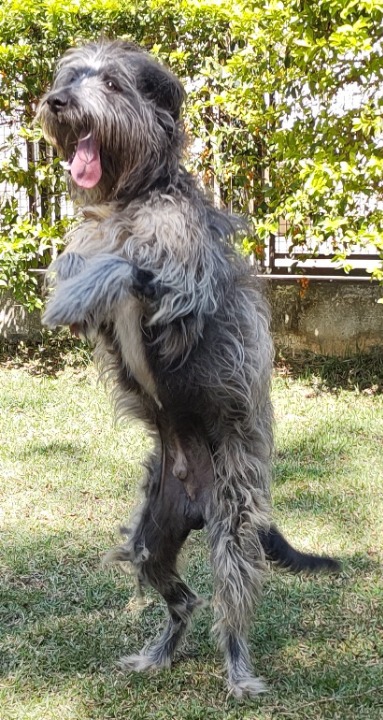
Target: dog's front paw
66, 266
62, 310
53, 317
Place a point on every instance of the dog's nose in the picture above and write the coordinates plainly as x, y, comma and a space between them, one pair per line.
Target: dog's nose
58, 101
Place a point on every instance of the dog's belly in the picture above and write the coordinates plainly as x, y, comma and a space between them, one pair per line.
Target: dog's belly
129, 332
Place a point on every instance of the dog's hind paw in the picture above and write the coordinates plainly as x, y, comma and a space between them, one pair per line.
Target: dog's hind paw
247, 687
143, 663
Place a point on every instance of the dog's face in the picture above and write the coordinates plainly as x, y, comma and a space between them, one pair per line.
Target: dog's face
113, 114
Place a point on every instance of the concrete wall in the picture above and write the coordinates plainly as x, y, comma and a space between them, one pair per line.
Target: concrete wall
330, 318
16, 323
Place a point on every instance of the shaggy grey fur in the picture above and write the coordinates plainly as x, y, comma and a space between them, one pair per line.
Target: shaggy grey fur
150, 274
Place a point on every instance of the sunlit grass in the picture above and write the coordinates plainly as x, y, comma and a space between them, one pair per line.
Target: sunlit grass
69, 478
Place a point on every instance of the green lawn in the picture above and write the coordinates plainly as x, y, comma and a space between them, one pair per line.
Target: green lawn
69, 478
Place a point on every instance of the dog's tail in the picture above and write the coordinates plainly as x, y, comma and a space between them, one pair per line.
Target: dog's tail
279, 551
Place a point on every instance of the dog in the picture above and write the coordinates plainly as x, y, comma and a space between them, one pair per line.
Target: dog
151, 276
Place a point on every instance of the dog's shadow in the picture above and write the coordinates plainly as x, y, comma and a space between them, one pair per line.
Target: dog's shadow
56, 448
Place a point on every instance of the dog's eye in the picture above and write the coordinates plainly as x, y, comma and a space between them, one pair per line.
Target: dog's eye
111, 85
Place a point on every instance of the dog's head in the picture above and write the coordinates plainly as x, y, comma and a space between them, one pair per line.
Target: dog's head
113, 113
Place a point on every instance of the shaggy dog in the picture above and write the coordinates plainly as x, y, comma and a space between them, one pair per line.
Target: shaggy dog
150, 274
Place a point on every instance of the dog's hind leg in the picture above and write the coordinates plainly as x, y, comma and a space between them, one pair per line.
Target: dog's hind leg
238, 511
181, 602
159, 532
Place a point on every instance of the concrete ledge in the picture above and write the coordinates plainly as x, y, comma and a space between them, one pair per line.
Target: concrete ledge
16, 323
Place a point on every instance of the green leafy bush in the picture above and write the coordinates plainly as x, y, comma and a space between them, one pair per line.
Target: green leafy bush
284, 97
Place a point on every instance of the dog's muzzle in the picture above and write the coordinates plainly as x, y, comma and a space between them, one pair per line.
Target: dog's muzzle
58, 101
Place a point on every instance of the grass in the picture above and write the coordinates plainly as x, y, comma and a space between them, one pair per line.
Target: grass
69, 477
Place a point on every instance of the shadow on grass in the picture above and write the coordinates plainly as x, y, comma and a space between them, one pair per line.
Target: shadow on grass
363, 372
56, 351
54, 448
66, 620
67, 602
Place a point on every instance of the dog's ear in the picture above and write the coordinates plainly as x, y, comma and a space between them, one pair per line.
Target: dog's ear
160, 85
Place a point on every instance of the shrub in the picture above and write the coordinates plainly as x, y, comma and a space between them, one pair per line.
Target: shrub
270, 101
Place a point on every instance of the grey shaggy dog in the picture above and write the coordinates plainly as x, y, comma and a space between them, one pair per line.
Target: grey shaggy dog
150, 274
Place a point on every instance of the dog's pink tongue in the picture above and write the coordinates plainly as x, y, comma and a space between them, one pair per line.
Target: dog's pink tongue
86, 168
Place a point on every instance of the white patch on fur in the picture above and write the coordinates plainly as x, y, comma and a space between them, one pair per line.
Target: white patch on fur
248, 687
141, 663
128, 329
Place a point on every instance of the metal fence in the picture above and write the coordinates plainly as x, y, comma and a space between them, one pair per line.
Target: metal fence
315, 262
44, 203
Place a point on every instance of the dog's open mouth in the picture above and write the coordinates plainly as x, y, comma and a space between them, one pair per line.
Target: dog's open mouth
85, 163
